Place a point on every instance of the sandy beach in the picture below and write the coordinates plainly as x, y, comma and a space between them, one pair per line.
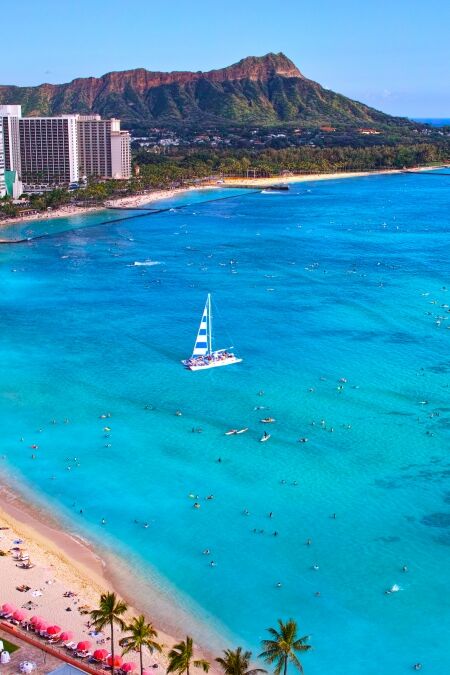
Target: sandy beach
133, 201
65, 580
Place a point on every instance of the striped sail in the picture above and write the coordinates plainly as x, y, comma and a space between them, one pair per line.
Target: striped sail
202, 347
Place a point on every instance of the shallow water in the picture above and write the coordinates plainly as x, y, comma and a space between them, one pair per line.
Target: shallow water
337, 279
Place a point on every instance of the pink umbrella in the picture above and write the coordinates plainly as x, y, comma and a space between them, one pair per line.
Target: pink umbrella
117, 661
66, 636
41, 625
19, 615
36, 619
128, 667
83, 646
100, 654
53, 630
8, 609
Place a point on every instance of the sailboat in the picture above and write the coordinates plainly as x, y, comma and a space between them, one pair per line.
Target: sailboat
204, 356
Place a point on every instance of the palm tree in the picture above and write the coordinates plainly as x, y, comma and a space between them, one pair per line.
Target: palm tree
109, 612
180, 657
237, 663
281, 648
141, 635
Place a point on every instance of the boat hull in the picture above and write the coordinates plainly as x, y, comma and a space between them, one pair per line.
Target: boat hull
212, 364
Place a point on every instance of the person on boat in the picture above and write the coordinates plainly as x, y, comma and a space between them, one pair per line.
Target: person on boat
265, 434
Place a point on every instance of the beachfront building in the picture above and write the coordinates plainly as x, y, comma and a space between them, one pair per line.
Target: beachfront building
100, 154
48, 150
10, 116
14, 186
120, 154
2, 163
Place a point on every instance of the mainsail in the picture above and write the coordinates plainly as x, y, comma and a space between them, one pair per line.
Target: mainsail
202, 344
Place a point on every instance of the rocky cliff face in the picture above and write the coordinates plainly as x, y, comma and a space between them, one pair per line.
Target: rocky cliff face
263, 90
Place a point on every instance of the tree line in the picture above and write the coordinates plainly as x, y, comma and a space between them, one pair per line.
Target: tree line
281, 647
152, 171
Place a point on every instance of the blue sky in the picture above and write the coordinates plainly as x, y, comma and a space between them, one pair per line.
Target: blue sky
393, 55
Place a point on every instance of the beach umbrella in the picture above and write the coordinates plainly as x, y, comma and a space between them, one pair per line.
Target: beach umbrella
83, 646
128, 667
8, 609
36, 619
117, 661
66, 636
100, 654
41, 625
19, 615
53, 630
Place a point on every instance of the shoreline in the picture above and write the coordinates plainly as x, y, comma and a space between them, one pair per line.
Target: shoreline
155, 196
73, 564
119, 202
306, 177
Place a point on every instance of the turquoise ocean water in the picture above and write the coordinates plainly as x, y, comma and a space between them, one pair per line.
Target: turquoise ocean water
343, 279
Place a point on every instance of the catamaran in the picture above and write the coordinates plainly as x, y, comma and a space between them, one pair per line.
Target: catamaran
204, 356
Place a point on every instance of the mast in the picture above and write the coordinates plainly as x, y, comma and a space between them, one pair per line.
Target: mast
209, 324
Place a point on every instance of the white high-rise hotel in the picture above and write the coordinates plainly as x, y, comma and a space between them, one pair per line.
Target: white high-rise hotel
2, 162
51, 151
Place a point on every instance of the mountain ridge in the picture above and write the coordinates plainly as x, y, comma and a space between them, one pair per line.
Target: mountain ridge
267, 90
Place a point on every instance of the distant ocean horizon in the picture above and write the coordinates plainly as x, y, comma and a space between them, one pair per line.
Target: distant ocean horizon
336, 295
433, 121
